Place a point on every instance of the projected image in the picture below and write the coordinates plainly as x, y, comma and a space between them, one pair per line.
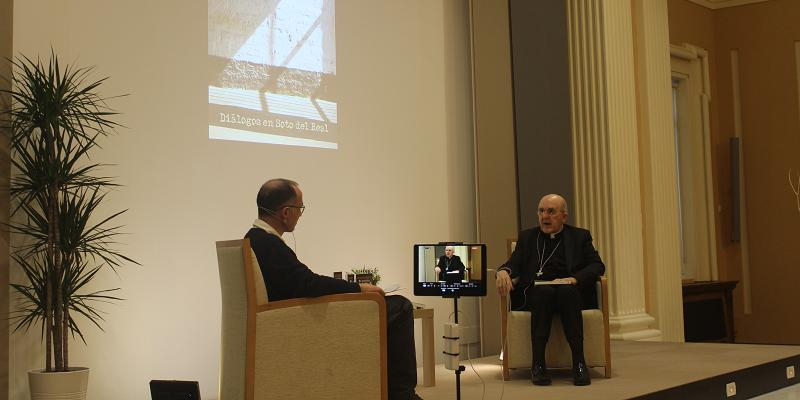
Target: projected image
272, 70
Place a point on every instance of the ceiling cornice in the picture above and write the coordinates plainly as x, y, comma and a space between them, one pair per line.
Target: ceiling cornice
717, 4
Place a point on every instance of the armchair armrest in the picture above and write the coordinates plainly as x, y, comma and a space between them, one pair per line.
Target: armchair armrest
273, 305
602, 293
504, 308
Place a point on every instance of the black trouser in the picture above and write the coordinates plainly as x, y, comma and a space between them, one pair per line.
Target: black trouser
401, 355
545, 300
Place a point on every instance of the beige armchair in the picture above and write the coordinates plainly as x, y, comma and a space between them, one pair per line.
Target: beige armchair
329, 347
515, 333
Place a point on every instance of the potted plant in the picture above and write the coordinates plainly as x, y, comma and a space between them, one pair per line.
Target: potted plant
54, 120
374, 276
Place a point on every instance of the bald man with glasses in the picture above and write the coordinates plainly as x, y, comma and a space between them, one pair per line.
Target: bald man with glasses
280, 205
556, 267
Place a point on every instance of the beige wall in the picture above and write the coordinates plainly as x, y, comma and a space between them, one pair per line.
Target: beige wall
6, 51
764, 35
403, 73
494, 139
494, 128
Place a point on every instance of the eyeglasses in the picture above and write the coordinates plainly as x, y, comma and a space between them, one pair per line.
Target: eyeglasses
302, 208
549, 211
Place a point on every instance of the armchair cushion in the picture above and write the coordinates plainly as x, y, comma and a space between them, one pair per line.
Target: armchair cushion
557, 353
515, 335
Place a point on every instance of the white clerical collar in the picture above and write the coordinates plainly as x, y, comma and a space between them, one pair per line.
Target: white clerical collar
264, 225
553, 235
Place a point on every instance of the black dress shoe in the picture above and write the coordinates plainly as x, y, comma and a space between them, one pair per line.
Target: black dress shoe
539, 375
580, 375
412, 396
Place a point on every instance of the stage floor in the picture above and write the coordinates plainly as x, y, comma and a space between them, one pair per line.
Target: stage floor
652, 370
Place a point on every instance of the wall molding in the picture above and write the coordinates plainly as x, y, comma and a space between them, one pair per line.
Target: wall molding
747, 297
717, 4
797, 71
699, 55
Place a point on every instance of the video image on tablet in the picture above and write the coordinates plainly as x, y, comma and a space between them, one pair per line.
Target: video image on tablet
450, 269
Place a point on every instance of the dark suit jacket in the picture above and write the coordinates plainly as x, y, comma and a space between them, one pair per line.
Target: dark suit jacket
583, 262
285, 276
455, 265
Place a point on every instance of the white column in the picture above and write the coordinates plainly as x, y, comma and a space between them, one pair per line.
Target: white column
658, 161
606, 154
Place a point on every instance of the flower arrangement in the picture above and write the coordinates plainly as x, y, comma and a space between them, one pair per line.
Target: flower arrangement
376, 277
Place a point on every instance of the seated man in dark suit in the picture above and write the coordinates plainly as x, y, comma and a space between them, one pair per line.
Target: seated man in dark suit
450, 268
563, 256
280, 205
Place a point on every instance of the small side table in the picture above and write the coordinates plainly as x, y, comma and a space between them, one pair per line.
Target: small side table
428, 361
708, 311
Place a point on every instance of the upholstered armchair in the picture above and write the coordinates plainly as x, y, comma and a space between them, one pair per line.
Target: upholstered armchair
329, 347
515, 333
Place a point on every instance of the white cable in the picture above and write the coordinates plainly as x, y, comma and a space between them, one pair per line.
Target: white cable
469, 358
524, 299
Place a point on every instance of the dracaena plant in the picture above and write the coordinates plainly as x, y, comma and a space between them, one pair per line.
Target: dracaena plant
54, 121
